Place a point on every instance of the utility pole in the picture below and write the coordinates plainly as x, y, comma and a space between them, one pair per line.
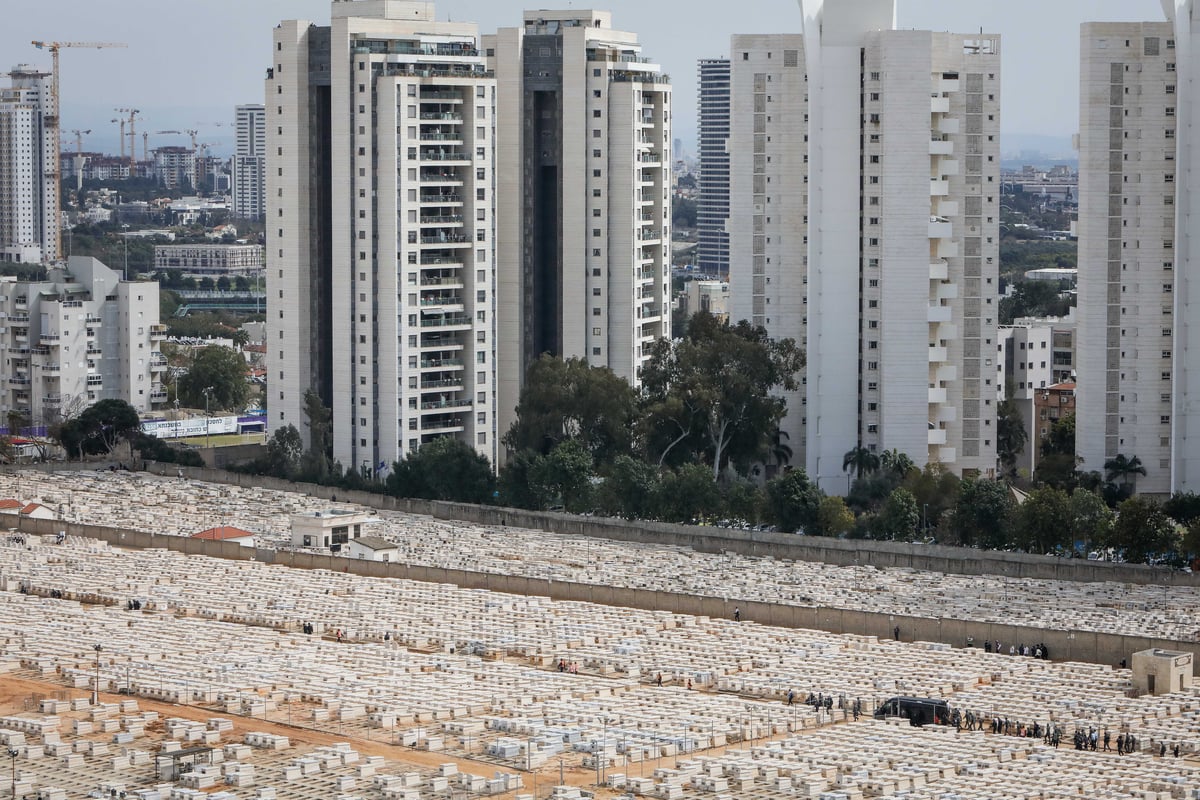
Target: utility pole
96, 687
207, 419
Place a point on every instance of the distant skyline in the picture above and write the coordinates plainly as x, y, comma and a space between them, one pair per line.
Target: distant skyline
188, 65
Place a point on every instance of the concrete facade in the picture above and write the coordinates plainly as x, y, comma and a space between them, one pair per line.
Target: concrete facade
712, 213
28, 170
82, 336
381, 243
768, 198
583, 155
1129, 253
902, 289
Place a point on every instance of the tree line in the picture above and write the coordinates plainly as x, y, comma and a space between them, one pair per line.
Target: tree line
700, 442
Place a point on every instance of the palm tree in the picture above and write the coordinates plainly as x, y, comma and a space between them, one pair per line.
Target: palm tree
896, 462
1119, 468
861, 461
780, 450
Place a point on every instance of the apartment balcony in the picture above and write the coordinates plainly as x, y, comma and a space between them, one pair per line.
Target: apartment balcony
940, 229
442, 281
158, 395
947, 248
939, 313
95, 380
446, 238
652, 236
940, 147
947, 85
21, 303
92, 319
50, 340
442, 116
947, 167
446, 156
441, 363
441, 199
938, 188
158, 364
455, 383
939, 271
158, 332
438, 136
19, 380
947, 291
52, 400
937, 396
939, 105
947, 208
938, 354
946, 414
450, 321
52, 369
450, 302
443, 342
18, 319
442, 219
937, 437
444, 425
442, 405
440, 96
946, 374
444, 177
22, 340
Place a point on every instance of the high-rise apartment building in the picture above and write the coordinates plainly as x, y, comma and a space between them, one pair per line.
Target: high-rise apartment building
175, 167
768, 197
712, 212
583, 166
249, 163
81, 336
380, 236
1138, 367
903, 247
28, 169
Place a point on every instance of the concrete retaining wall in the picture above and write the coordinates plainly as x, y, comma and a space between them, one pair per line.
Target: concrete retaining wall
1086, 646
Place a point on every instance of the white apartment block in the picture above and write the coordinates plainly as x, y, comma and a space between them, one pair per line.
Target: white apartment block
1130, 268
248, 165
583, 151
210, 259
712, 213
768, 197
903, 250
175, 167
28, 170
380, 238
81, 336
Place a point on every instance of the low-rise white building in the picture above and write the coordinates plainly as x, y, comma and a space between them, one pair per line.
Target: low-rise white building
371, 548
210, 259
332, 529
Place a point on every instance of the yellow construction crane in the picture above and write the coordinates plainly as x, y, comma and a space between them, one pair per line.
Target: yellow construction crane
122, 123
52, 122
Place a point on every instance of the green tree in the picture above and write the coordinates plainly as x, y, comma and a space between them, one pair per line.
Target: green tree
284, 449
317, 464
714, 386
688, 494
833, 517
1033, 299
895, 461
1191, 542
899, 516
935, 490
445, 469
1044, 521
745, 501
1123, 471
564, 400
1091, 519
793, 501
860, 461
1143, 530
1058, 464
1011, 435
99, 429
984, 513
1183, 507
629, 488
516, 487
563, 475
221, 373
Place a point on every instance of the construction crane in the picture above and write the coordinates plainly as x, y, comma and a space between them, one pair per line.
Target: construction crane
192, 133
79, 139
133, 113
52, 121
146, 140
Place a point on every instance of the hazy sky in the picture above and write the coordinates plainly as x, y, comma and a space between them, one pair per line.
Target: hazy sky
188, 64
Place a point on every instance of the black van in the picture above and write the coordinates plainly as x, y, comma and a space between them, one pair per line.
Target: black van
917, 710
